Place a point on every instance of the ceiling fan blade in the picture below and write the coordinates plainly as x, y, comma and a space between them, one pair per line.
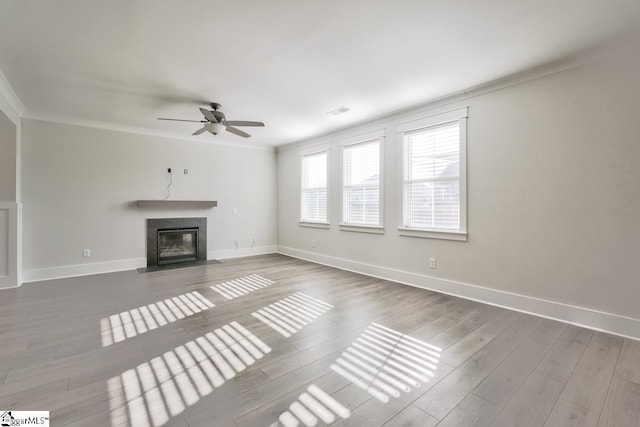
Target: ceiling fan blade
208, 115
199, 131
182, 120
237, 132
243, 123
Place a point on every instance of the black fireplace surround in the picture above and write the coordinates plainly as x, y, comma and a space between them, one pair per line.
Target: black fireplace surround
170, 231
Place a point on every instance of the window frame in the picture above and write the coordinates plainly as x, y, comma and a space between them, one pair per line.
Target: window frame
458, 115
373, 136
305, 223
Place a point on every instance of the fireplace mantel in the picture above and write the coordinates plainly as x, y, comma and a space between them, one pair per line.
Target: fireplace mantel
178, 204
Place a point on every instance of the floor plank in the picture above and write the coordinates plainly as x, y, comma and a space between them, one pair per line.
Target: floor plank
446, 395
459, 352
412, 416
532, 404
560, 362
622, 407
628, 366
567, 414
590, 380
500, 386
473, 411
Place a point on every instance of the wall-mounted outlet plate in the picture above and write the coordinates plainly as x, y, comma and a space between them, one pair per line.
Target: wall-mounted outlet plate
432, 263
86, 253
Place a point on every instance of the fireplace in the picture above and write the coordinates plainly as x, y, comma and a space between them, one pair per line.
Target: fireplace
176, 241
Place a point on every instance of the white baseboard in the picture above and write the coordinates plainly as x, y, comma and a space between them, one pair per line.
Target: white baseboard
8, 282
61, 272
593, 319
242, 252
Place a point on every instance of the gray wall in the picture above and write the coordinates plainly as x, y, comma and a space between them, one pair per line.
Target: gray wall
553, 193
79, 185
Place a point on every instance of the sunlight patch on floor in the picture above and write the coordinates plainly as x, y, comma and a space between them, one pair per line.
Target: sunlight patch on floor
245, 285
291, 314
155, 391
119, 327
312, 405
384, 362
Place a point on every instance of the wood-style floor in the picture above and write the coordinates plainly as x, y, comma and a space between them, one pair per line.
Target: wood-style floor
272, 340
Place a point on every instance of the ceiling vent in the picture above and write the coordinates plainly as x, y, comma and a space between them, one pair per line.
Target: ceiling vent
338, 111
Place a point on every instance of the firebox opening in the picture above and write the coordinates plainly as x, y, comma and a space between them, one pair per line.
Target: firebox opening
177, 246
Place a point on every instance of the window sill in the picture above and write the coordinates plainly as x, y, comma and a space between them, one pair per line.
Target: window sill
432, 234
373, 229
314, 224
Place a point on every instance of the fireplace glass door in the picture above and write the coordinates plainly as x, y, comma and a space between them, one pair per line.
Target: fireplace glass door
177, 245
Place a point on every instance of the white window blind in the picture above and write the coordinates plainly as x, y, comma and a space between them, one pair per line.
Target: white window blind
432, 178
361, 184
314, 188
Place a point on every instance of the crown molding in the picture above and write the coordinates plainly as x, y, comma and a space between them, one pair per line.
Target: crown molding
10, 104
595, 54
443, 101
139, 130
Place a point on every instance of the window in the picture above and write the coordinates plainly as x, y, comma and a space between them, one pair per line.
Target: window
314, 188
361, 184
434, 175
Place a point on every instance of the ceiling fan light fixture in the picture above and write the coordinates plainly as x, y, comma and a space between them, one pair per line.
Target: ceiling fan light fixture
215, 128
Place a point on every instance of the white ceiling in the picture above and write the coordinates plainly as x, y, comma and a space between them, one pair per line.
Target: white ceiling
284, 62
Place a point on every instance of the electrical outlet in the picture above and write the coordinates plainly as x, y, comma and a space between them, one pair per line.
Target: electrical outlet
186, 171
86, 253
313, 243
168, 170
432, 263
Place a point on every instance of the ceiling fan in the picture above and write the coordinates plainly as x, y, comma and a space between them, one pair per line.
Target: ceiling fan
216, 122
